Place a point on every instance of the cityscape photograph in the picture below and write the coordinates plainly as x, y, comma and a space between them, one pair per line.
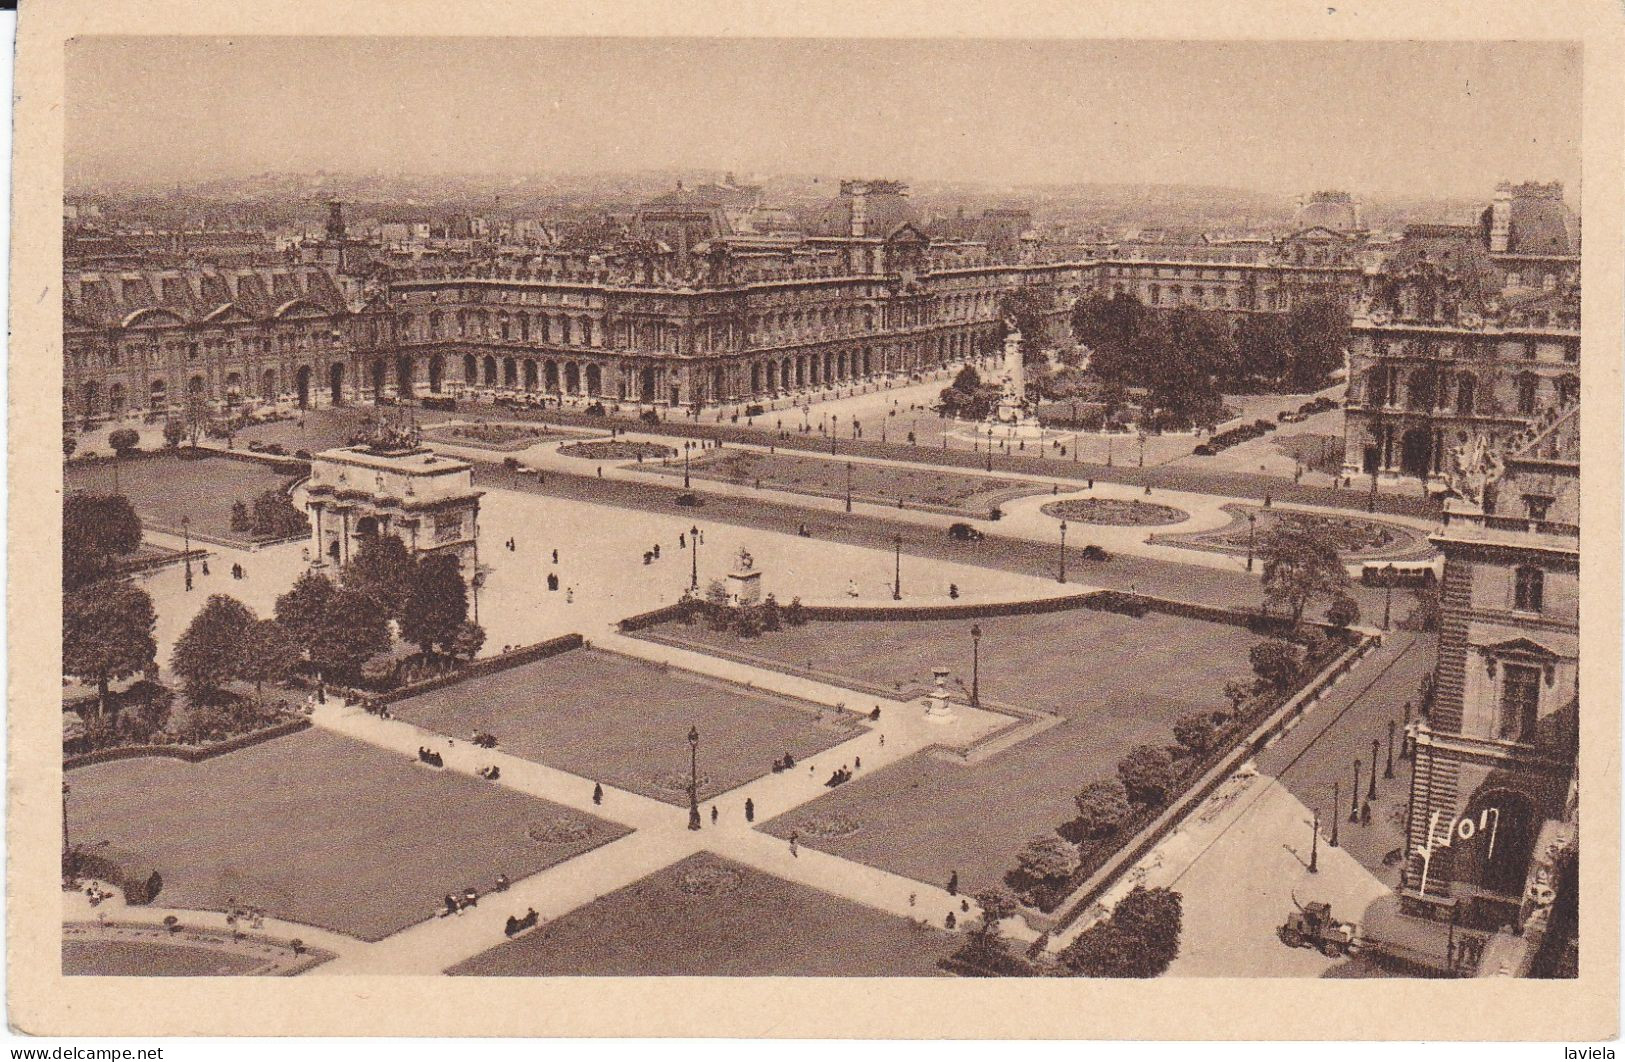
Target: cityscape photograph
726, 507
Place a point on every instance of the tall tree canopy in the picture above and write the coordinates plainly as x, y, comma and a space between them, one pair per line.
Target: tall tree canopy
1300, 566
96, 530
353, 628
210, 653
437, 603
107, 634
384, 568
302, 611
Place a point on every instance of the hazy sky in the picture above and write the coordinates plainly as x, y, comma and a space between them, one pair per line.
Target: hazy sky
1373, 117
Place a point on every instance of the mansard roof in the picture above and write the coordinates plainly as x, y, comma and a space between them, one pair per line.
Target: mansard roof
126, 298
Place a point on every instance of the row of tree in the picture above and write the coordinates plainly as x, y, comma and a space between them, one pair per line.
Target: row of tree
1185, 357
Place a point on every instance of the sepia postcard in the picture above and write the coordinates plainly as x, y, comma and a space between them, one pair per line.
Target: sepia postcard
901, 520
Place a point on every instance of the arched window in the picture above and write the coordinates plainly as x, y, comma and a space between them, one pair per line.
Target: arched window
1528, 589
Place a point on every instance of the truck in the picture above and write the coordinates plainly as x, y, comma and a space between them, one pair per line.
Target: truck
1312, 926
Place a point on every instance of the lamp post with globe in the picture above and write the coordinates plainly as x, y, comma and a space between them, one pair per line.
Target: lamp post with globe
693, 777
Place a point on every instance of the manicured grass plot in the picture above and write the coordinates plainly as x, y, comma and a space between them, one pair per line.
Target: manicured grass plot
918, 485
164, 488
625, 723
707, 916
145, 958
1115, 680
318, 829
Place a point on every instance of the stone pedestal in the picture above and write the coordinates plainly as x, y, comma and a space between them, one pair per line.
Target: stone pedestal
745, 587
938, 708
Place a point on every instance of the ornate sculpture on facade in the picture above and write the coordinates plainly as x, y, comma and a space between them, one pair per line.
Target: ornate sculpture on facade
1474, 467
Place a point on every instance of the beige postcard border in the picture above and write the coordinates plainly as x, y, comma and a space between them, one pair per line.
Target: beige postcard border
44, 1002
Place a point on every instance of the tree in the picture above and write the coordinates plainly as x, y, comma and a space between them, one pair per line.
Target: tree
1319, 329
1026, 307
302, 611
996, 905
1300, 566
1107, 326
95, 529
1196, 732
1102, 807
174, 432
1277, 663
210, 653
468, 641
1048, 859
1155, 916
107, 634
194, 417
1263, 350
353, 628
436, 604
1148, 774
1139, 939
1237, 690
276, 516
1104, 950
268, 654
240, 520
772, 615
967, 380
383, 568
123, 440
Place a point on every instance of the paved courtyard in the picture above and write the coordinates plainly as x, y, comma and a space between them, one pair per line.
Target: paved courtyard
623, 721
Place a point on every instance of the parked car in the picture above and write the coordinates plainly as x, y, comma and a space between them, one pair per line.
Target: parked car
963, 532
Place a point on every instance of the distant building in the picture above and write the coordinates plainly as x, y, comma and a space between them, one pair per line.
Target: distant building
1446, 346
1337, 211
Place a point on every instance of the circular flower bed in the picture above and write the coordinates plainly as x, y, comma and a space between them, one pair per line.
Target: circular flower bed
708, 879
616, 450
1114, 512
566, 829
1354, 537
825, 826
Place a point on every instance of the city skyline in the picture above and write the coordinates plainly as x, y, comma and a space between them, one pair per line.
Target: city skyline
1440, 119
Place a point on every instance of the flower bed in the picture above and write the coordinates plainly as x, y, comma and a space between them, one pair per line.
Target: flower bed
492, 436
616, 450
1355, 538
565, 829
1115, 512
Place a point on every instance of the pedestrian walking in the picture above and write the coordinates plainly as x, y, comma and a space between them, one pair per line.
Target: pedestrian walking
597, 793
794, 837
713, 814
857, 764
882, 740
750, 810
555, 556
570, 596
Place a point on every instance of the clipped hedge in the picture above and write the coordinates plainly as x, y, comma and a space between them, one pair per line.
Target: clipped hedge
189, 753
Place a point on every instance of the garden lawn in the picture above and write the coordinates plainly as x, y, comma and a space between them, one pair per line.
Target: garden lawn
756, 925
1116, 681
147, 958
625, 722
318, 829
166, 487
916, 485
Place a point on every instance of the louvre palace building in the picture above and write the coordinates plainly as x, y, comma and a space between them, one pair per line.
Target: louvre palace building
698, 306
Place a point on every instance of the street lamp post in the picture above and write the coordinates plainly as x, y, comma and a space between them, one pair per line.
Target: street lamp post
686, 447
975, 665
1314, 846
1337, 802
1252, 523
1371, 791
1388, 600
186, 548
897, 577
1388, 768
1063, 551
693, 777
67, 845
694, 557
990, 449
849, 486
1354, 798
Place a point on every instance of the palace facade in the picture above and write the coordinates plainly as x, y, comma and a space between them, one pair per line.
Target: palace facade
1498, 750
740, 310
